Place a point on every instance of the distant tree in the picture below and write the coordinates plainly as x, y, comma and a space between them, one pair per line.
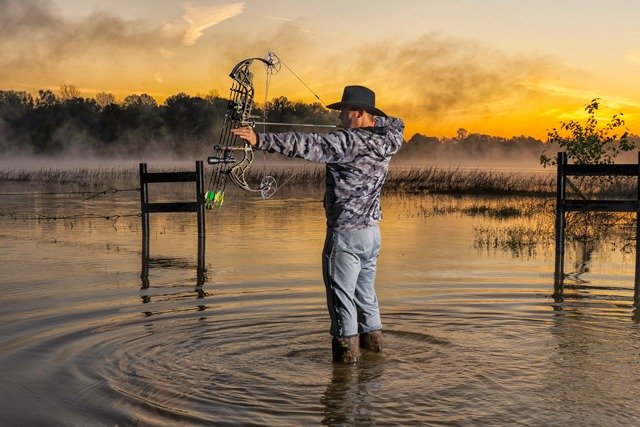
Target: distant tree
103, 99
44, 120
12, 97
422, 140
483, 139
282, 110
587, 143
15, 108
461, 135
142, 100
141, 120
81, 113
212, 96
46, 98
187, 117
68, 92
112, 122
418, 148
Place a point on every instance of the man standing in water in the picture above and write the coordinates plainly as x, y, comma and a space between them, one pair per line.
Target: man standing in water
357, 161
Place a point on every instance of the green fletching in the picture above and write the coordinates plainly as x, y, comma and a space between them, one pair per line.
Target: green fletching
208, 199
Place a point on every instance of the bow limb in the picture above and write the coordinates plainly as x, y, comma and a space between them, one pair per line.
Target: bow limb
237, 173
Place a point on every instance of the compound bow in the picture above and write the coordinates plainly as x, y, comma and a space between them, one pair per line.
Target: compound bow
238, 113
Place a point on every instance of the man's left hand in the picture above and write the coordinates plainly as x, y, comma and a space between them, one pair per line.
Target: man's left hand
247, 134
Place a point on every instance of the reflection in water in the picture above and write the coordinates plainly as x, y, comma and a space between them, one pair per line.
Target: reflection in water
349, 397
172, 263
582, 373
584, 253
147, 261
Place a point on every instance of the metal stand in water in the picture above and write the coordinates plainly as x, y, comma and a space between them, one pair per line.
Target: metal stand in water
146, 208
564, 205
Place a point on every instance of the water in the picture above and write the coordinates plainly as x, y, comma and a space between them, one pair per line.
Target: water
472, 333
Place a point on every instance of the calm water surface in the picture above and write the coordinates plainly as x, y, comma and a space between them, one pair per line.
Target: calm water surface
473, 335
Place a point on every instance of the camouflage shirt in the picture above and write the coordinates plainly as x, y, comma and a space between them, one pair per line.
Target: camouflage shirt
357, 162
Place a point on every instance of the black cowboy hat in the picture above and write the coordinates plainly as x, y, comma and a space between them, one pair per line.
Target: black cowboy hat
358, 97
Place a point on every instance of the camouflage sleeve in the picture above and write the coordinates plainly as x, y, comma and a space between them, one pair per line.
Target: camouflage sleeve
392, 122
334, 147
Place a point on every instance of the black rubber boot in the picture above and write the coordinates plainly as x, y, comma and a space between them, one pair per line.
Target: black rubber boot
345, 349
371, 340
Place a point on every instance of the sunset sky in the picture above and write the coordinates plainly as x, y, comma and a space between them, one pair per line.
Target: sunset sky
502, 67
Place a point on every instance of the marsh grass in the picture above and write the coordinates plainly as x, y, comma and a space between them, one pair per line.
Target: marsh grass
75, 177
469, 182
400, 180
600, 187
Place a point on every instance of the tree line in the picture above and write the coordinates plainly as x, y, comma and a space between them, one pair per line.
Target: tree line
184, 126
65, 123
471, 146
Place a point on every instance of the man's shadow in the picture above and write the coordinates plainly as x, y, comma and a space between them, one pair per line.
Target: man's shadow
349, 398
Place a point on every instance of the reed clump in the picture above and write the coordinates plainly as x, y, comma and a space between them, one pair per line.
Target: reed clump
79, 177
437, 180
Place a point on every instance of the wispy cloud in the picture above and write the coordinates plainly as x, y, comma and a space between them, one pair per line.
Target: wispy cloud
167, 53
553, 88
435, 75
276, 18
633, 57
199, 18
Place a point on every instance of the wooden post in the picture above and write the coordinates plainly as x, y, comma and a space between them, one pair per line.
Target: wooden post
201, 223
560, 224
636, 287
144, 199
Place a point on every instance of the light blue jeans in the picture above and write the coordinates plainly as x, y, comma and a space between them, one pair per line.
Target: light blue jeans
349, 271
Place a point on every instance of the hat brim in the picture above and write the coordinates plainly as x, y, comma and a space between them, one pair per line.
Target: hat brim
368, 108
